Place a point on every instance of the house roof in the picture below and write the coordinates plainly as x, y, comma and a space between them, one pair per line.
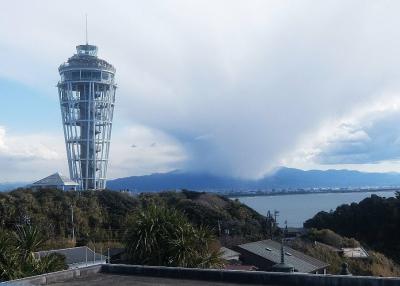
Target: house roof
271, 250
74, 255
55, 179
228, 254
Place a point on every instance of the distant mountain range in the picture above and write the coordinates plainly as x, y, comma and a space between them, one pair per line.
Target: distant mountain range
10, 186
283, 178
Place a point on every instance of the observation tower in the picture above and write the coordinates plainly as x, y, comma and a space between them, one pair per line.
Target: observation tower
87, 95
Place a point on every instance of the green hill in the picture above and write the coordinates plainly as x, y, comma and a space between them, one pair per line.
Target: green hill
374, 221
376, 264
101, 215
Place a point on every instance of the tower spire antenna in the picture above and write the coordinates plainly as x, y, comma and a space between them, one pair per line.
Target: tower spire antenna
86, 30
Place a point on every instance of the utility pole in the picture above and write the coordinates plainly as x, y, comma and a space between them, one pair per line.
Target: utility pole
72, 221
269, 224
285, 233
275, 223
276, 214
271, 229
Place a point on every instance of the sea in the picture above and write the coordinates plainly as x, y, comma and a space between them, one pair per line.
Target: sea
295, 209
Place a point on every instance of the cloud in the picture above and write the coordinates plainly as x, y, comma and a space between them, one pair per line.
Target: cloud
154, 151
33, 156
232, 85
369, 135
26, 157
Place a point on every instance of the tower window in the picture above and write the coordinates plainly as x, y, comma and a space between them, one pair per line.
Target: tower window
75, 75
96, 75
105, 75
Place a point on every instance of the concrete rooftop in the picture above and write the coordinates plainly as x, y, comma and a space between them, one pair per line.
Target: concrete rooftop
125, 280
119, 274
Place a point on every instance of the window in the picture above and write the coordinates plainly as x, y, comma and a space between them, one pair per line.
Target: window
75, 75
86, 74
105, 75
96, 75
67, 75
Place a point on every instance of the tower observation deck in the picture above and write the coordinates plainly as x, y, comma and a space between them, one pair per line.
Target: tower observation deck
87, 95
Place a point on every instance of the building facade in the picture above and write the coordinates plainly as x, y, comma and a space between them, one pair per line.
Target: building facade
87, 95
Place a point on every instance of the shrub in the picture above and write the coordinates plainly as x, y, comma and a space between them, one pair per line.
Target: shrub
157, 235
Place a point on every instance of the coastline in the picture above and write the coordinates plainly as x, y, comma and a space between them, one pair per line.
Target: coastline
303, 192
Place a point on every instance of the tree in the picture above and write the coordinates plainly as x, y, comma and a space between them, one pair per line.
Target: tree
17, 258
157, 235
9, 264
51, 263
28, 239
375, 222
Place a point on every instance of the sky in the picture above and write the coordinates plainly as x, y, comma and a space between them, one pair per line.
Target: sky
234, 88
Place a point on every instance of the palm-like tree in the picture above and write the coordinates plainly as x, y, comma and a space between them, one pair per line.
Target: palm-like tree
9, 262
28, 240
161, 236
17, 257
51, 263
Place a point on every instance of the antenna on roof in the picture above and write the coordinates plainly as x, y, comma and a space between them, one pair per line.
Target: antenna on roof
86, 30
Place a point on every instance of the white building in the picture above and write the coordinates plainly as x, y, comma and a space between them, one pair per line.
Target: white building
55, 181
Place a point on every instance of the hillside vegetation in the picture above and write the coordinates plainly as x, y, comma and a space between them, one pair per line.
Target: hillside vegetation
143, 223
374, 221
102, 216
17, 258
377, 264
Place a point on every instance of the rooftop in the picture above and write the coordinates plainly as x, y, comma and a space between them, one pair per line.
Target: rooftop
55, 179
118, 274
122, 280
228, 254
86, 57
271, 250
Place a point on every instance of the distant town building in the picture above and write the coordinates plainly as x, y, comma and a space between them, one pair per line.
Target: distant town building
55, 181
265, 254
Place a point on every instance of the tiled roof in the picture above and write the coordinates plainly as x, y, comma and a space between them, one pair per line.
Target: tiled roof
271, 250
75, 255
55, 179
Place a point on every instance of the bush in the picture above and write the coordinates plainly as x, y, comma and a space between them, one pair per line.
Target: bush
329, 237
157, 235
17, 257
